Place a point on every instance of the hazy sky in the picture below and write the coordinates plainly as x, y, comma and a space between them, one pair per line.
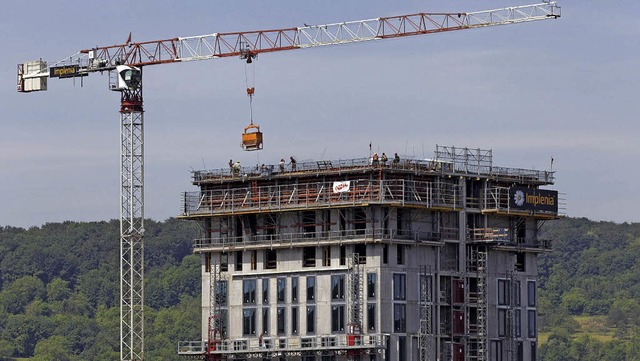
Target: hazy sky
564, 88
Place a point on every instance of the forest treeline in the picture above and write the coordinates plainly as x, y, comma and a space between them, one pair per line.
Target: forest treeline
59, 290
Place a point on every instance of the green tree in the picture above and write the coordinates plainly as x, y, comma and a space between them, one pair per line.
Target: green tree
54, 348
18, 294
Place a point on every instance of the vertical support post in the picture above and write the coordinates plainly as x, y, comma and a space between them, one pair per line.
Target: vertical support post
131, 225
425, 336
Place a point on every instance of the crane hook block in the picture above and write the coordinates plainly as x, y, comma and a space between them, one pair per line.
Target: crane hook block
252, 138
251, 90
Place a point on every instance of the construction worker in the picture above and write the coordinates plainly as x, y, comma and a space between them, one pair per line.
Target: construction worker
384, 159
282, 165
293, 163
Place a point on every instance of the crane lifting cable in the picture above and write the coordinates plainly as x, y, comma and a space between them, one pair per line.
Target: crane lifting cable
252, 136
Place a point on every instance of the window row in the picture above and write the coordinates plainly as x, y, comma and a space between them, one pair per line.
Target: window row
506, 293
309, 257
338, 319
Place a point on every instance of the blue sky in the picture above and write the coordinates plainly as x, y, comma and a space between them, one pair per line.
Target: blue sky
565, 89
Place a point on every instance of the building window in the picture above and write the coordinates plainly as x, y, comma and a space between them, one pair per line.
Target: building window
402, 348
371, 316
399, 317
534, 351
311, 289
337, 287
496, 350
239, 261
249, 321
294, 320
502, 322
531, 286
282, 286
265, 320
207, 262
254, 260
311, 319
270, 259
361, 251
516, 293
502, 292
337, 318
399, 286
326, 256
309, 257
400, 254
385, 253
281, 321
249, 291
371, 285
265, 291
221, 292
224, 262
518, 322
343, 255
294, 289
532, 324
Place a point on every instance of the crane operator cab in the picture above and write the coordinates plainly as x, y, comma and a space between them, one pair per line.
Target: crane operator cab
127, 78
252, 137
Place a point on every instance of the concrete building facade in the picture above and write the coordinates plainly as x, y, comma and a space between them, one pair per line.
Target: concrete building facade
371, 259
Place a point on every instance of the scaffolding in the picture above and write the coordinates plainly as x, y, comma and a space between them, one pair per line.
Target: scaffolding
356, 290
482, 304
425, 337
217, 300
511, 324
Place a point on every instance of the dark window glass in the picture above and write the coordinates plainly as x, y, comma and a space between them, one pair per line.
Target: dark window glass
281, 322
496, 350
337, 318
400, 254
502, 292
371, 316
294, 320
249, 291
399, 317
294, 289
249, 321
502, 322
309, 257
311, 319
265, 320
239, 261
282, 286
516, 293
385, 253
531, 285
311, 289
371, 285
399, 286
337, 287
517, 322
532, 324
265, 291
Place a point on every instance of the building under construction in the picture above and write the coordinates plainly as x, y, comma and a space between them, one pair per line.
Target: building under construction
370, 259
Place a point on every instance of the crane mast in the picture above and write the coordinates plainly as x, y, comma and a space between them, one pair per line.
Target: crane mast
126, 61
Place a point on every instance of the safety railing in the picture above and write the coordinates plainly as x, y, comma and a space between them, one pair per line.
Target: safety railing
276, 345
504, 237
290, 239
446, 166
312, 195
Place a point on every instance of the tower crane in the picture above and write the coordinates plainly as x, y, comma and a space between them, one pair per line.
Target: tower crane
124, 64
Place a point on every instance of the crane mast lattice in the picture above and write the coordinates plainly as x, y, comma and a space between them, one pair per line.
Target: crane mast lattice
127, 60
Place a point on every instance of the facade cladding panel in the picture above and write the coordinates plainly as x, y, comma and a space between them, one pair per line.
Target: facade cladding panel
337, 272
